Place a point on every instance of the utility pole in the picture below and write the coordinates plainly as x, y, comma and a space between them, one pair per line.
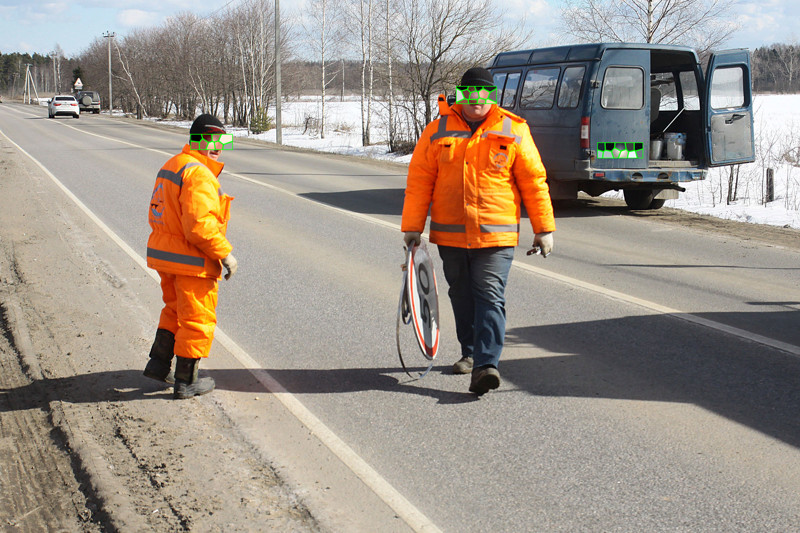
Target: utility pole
53, 56
278, 133
29, 84
108, 35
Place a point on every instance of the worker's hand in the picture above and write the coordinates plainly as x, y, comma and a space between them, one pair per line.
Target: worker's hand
411, 237
230, 265
542, 244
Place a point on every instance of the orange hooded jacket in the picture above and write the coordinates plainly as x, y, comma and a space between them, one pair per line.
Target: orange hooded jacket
474, 182
189, 217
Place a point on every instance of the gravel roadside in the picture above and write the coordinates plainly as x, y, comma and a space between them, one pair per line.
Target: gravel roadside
86, 442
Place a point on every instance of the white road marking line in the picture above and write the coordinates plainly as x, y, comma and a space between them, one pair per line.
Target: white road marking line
658, 308
382, 488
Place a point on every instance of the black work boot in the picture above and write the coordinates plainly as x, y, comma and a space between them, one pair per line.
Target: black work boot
187, 384
158, 367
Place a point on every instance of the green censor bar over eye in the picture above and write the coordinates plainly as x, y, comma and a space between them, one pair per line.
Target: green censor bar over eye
476, 94
620, 150
210, 141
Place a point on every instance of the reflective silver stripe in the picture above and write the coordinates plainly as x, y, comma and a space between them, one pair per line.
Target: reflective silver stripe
448, 228
176, 258
176, 177
499, 228
506, 131
442, 131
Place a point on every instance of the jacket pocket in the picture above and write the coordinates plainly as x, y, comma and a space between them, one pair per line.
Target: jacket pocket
225, 208
447, 152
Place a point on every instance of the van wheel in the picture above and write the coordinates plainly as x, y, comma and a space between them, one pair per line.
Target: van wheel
639, 199
657, 203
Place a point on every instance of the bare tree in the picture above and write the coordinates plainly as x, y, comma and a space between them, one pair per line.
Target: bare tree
359, 37
786, 58
390, 83
439, 39
367, 68
704, 24
324, 33
252, 23
57, 55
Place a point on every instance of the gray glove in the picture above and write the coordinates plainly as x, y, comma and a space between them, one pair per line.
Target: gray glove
542, 243
230, 265
412, 237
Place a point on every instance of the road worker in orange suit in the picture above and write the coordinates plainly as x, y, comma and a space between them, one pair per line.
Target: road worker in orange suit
472, 167
189, 216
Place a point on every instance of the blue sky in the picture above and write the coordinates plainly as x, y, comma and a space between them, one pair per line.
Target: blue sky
37, 26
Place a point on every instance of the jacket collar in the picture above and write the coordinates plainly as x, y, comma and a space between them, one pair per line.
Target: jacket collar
214, 166
495, 114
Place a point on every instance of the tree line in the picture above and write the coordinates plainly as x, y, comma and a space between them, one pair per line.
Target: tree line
396, 55
776, 68
398, 51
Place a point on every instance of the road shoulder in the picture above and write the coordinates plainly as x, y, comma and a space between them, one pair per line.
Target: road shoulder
103, 447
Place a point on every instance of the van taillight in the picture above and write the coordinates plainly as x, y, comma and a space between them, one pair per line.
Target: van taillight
585, 132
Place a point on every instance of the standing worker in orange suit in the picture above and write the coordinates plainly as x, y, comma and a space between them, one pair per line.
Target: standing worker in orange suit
187, 246
472, 166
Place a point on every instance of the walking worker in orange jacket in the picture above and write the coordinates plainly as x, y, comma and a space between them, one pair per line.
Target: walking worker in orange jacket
472, 167
187, 246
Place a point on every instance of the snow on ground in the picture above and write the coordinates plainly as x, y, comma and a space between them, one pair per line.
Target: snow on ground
776, 129
776, 125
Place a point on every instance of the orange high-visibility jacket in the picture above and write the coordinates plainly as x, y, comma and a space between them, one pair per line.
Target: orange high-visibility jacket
474, 182
189, 217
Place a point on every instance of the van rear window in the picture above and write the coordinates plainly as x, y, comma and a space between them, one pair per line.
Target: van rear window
539, 89
727, 88
623, 88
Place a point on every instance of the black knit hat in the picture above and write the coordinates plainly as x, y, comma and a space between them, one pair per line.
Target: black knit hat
206, 123
477, 77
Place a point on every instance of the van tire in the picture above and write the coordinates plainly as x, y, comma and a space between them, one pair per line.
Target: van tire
657, 203
639, 199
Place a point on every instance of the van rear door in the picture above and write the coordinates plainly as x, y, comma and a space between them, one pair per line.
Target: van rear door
729, 109
620, 109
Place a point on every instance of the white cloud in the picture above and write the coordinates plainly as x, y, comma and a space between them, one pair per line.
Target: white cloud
134, 18
25, 47
54, 8
540, 8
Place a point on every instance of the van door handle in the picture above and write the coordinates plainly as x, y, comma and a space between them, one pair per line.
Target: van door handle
735, 116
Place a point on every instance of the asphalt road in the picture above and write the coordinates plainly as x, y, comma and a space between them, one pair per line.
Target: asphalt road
652, 367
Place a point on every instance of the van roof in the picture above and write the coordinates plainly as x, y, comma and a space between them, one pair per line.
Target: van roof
577, 52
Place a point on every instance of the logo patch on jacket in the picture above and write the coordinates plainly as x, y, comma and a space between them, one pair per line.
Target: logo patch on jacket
500, 160
157, 204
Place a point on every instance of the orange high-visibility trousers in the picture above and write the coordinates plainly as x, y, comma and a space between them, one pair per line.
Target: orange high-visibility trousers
190, 312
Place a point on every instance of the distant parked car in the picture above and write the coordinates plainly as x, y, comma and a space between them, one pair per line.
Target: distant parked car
63, 105
89, 101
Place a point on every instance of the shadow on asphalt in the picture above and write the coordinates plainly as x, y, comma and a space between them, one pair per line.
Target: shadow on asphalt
390, 202
367, 201
129, 385
743, 381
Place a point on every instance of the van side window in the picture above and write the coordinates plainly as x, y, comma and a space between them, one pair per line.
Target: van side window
510, 92
539, 89
506, 83
623, 88
691, 96
571, 84
727, 88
